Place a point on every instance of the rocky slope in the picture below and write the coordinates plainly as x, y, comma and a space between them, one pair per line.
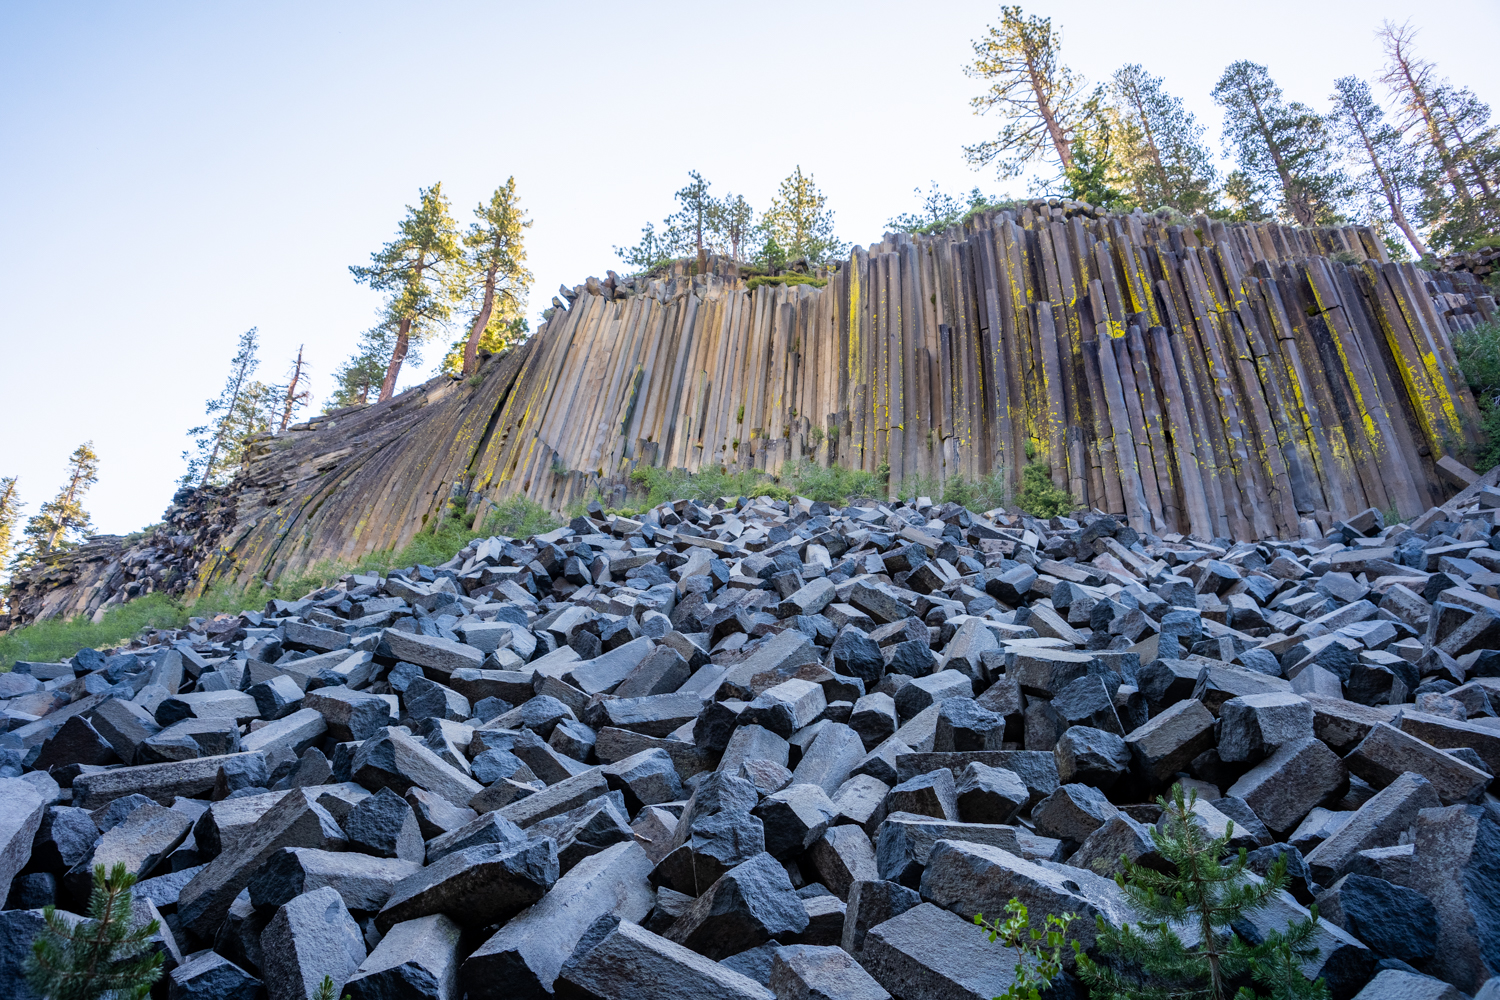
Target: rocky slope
758, 749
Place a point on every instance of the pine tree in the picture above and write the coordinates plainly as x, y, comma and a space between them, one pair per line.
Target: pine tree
361, 375
1159, 144
422, 268
504, 330
1038, 100
1283, 147
495, 256
1359, 125
101, 957
652, 252
1204, 893
62, 522
295, 394
731, 221
1459, 149
693, 216
800, 221
1096, 175
214, 439
10, 516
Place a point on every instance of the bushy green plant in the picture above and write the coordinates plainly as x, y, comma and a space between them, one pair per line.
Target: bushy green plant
1203, 892
1478, 352
835, 485
105, 956
989, 491
519, 517
1039, 497
1038, 949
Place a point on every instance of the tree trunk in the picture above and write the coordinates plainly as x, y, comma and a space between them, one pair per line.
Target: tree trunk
213, 456
481, 320
403, 333
291, 392
1414, 88
1291, 189
1161, 171
1049, 116
1397, 214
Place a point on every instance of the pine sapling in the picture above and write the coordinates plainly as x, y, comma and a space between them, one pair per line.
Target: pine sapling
326, 990
101, 957
1038, 949
1201, 896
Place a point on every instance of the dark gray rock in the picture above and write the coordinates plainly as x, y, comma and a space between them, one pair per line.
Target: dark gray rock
750, 904
927, 953
619, 960
363, 882
385, 825
415, 960
990, 794
794, 818
523, 958
477, 886
310, 937
1396, 922
210, 976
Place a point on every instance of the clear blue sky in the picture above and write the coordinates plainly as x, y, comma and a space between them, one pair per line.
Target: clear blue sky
174, 173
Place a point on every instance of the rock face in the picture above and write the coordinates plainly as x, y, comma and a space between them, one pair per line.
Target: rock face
578, 400
757, 747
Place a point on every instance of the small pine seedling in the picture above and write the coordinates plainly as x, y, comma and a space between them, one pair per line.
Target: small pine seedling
326, 990
102, 956
1204, 894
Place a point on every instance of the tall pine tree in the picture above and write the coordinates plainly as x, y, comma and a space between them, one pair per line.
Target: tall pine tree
800, 222
62, 521
1283, 147
295, 394
359, 377
731, 221
1039, 101
233, 414
10, 517
495, 256
1386, 170
422, 269
1459, 149
1159, 144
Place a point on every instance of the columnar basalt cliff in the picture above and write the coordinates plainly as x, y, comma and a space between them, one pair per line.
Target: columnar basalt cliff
1220, 380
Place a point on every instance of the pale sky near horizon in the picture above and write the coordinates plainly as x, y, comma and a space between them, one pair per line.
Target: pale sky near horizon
174, 173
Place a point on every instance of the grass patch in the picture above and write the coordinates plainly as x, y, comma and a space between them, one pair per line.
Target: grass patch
1478, 352
979, 495
790, 278
836, 485
55, 639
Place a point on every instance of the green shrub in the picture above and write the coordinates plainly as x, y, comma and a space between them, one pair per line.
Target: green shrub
519, 517
1478, 352
1039, 950
989, 491
1039, 497
836, 485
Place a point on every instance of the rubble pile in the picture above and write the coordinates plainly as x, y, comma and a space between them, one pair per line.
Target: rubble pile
756, 749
